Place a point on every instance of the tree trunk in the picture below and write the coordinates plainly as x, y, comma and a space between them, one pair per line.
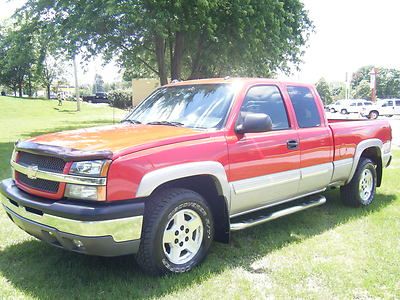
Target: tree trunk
160, 55
196, 63
30, 86
48, 91
176, 63
20, 90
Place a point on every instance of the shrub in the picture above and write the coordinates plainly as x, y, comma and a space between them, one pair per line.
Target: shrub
120, 99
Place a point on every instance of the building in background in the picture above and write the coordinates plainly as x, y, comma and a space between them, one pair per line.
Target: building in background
143, 87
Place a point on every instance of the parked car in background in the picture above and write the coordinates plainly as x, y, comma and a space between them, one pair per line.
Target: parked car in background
336, 105
355, 106
97, 98
386, 107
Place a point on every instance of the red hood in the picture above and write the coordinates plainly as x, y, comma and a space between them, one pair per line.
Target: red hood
117, 138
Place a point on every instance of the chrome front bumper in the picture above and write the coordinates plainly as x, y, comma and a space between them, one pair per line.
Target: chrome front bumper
59, 219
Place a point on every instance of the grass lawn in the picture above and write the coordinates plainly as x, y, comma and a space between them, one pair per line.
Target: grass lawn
326, 252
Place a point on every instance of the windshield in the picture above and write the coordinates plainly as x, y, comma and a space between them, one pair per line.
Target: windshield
203, 106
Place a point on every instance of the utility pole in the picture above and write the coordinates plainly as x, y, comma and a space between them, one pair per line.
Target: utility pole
78, 101
372, 83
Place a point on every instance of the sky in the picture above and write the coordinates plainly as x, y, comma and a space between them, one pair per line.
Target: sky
348, 34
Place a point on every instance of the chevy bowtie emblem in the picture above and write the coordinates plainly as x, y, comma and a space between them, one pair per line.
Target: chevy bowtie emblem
32, 172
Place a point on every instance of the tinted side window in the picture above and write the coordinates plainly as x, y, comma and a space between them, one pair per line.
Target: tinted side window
390, 103
397, 102
267, 100
306, 110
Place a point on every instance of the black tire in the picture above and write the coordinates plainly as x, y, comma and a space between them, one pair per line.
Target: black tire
350, 193
373, 115
159, 209
343, 111
332, 110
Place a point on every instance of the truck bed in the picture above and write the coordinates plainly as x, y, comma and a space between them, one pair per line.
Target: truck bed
347, 134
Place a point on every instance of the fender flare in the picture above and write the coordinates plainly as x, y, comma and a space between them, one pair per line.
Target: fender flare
369, 143
154, 179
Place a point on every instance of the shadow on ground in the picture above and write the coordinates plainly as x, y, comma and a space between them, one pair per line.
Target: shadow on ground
45, 272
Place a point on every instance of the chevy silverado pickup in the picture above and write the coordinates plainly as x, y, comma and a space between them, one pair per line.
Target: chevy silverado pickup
193, 162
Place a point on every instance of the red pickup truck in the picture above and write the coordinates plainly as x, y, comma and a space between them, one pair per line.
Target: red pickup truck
193, 162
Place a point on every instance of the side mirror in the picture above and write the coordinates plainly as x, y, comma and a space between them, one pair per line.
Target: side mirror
253, 122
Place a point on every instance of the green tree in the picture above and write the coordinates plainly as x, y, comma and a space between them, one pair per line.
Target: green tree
50, 71
324, 91
181, 39
18, 58
387, 81
362, 90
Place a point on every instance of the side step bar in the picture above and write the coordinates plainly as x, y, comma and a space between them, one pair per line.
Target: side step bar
260, 218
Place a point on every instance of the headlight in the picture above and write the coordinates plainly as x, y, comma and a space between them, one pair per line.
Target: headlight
90, 168
85, 192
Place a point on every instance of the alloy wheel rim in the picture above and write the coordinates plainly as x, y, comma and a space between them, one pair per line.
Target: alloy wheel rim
183, 236
366, 185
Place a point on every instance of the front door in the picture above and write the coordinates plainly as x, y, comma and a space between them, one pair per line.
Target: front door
264, 167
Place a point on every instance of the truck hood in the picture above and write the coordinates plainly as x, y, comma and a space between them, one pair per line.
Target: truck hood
118, 138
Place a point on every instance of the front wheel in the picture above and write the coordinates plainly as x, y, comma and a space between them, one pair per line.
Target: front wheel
343, 111
177, 232
360, 191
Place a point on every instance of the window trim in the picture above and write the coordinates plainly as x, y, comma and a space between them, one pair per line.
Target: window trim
289, 121
322, 121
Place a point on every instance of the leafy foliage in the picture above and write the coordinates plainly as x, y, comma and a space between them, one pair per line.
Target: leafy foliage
120, 99
18, 58
362, 90
181, 39
324, 91
387, 82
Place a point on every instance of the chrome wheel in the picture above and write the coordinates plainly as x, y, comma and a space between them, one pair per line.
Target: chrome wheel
366, 185
183, 236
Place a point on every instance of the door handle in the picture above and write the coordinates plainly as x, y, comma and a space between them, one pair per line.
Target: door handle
292, 144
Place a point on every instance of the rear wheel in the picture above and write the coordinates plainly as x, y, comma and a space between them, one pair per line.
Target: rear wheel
360, 191
332, 110
373, 114
343, 111
177, 232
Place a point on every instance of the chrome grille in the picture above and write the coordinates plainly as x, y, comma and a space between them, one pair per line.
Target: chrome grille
44, 163
38, 184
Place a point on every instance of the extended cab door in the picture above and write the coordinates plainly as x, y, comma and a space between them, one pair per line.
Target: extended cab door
264, 167
316, 141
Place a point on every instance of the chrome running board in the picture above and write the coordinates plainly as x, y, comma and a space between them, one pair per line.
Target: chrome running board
260, 218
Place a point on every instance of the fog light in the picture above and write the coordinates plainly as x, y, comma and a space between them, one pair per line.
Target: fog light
78, 243
85, 192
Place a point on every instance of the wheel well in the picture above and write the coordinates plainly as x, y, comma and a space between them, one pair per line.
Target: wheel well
374, 154
208, 187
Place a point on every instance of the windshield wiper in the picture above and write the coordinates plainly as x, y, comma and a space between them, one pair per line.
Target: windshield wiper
165, 123
131, 121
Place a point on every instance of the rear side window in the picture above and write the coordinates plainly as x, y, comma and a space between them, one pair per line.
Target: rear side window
367, 103
397, 102
304, 105
268, 100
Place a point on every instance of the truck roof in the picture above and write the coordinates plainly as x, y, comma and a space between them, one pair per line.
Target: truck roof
247, 80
